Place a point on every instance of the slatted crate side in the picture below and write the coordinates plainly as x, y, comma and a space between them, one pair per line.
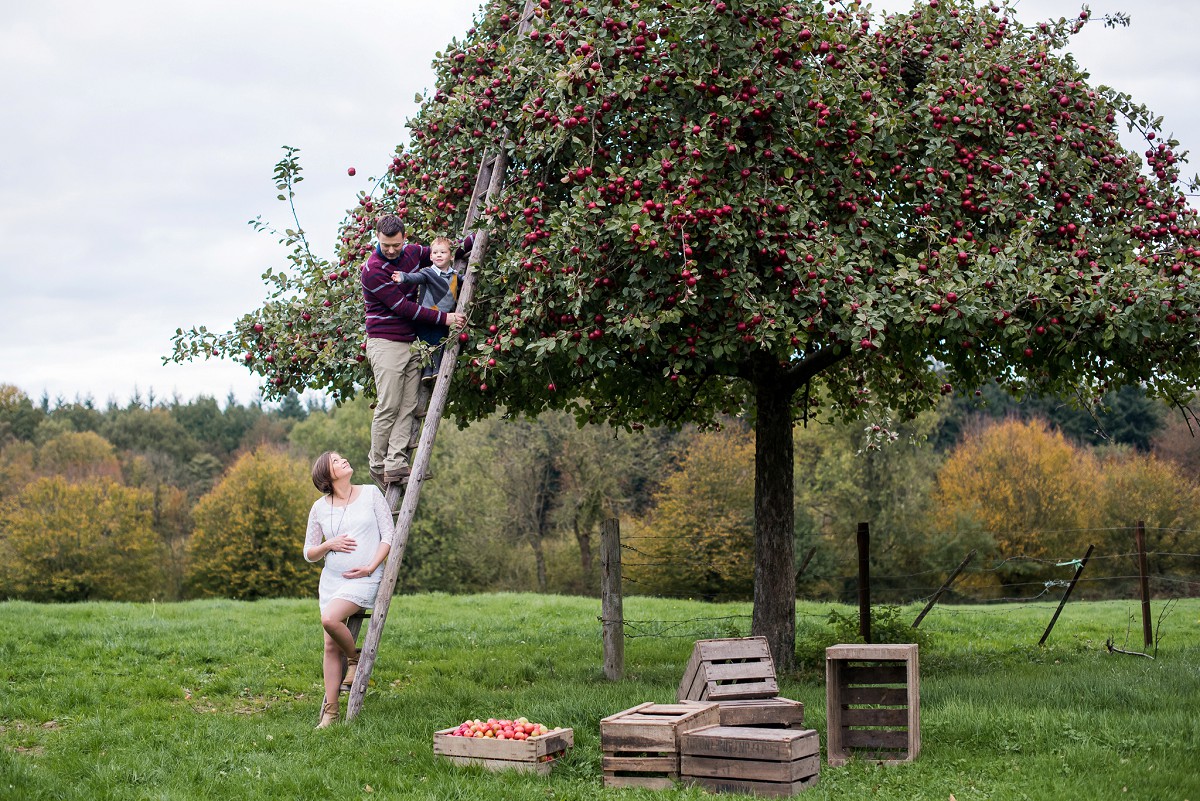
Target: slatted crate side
894, 718
729, 668
696, 767
873, 706
642, 781
872, 653
733, 648
775, 762
692, 685
533, 755
639, 735
531, 749
540, 768
739, 742
879, 739
619, 762
875, 673
654, 727
641, 744
734, 680
766, 789
740, 690
878, 696
650, 709
774, 713
654, 772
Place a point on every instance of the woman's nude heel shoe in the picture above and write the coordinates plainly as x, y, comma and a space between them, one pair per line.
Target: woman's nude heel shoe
351, 669
329, 714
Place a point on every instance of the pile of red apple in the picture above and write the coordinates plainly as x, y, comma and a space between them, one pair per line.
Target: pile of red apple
519, 729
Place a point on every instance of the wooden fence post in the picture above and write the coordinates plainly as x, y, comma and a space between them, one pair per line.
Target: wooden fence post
1139, 535
611, 615
945, 586
864, 581
1067, 594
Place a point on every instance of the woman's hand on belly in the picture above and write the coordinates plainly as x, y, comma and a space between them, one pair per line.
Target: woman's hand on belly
362, 571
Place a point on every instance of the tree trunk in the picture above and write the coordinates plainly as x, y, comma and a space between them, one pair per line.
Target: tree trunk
774, 521
539, 558
583, 536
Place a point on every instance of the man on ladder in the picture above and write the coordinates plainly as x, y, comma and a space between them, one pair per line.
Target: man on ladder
488, 184
391, 311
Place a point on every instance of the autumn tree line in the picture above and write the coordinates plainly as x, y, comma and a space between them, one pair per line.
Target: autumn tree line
167, 499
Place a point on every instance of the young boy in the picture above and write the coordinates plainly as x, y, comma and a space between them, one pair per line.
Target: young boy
439, 291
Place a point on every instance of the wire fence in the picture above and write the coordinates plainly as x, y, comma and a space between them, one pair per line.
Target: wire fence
1002, 584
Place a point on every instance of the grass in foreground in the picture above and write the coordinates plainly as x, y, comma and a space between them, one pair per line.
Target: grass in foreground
217, 700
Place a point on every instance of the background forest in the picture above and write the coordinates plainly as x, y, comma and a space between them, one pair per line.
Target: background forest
167, 499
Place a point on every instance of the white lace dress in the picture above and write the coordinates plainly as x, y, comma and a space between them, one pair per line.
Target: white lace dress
366, 519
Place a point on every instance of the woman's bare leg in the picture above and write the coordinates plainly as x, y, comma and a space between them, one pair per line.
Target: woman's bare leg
338, 643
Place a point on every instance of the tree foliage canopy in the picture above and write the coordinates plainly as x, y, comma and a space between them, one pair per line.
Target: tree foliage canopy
79, 541
249, 531
707, 191
1023, 484
698, 538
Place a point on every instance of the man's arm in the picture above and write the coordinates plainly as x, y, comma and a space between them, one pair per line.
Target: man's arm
423, 255
464, 250
395, 297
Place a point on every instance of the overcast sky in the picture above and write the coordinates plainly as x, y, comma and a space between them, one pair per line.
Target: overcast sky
138, 137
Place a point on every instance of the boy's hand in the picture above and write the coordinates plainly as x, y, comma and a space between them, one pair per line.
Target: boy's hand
398, 277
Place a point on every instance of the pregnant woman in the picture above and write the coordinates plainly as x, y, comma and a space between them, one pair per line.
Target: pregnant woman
351, 528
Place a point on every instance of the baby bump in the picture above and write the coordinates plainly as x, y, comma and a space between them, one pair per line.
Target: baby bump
341, 562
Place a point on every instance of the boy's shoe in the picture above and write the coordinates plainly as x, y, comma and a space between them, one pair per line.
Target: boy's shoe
377, 477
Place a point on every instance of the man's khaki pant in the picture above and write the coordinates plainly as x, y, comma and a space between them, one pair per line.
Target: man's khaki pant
397, 379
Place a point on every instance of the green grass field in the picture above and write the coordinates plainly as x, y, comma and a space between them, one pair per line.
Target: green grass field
217, 700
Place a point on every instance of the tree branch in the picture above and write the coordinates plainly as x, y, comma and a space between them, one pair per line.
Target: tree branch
812, 364
1112, 649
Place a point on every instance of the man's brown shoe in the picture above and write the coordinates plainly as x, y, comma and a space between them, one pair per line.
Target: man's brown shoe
398, 476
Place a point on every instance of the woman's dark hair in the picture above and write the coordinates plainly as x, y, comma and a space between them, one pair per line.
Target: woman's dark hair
322, 473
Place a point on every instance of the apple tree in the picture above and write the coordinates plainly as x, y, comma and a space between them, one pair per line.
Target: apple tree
772, 206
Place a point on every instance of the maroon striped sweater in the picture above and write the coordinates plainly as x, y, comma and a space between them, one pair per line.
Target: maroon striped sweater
391, 307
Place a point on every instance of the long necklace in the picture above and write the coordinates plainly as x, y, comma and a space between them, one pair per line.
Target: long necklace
341, 519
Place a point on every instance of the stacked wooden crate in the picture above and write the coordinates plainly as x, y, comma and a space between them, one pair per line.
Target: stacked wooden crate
739, 675
641, 744
761, 745
770, 762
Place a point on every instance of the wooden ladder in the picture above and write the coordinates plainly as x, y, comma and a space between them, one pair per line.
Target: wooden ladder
488, 183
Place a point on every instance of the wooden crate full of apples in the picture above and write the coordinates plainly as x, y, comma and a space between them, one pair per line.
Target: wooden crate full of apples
501, 744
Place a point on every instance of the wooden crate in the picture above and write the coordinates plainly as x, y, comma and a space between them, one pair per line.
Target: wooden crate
729, 669
772, 762
641, 744
873, 703
771, 713
535, 755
